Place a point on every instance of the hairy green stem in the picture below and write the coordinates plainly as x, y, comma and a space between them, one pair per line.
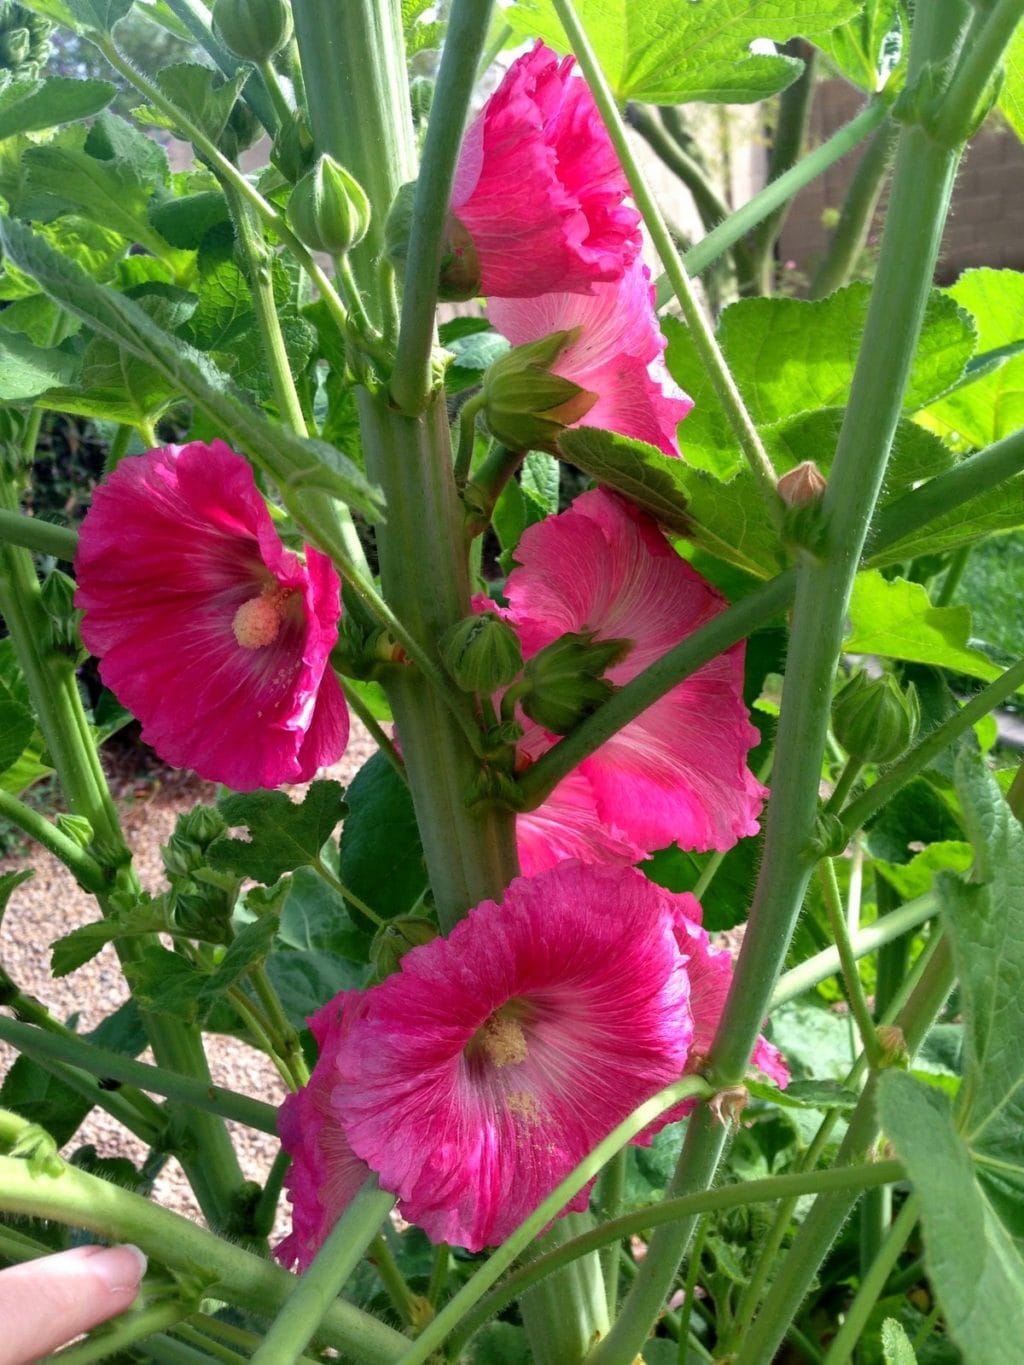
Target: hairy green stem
196, 18
80, 1200
356, 703
470, 852
610, 1190
848, 962
851, 232
296, 1324
126, 1331
920, 198
382, 1258
780, 191
42, 536
413, 380
699, 327
955, 113
100, 1062
749, 1192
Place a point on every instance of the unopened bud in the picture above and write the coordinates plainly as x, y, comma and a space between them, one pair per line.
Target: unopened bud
253, 30
194, 831
566, 680
293, 153
802, 486
202, 912
893, 1045
830, 836
482, 653
328, 209
77, 828
525, 405
397, 937
58, 597
874, 719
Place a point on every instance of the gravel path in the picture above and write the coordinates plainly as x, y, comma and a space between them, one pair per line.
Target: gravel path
51, 904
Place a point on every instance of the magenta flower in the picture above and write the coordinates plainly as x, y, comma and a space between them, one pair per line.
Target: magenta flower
325, 1173
618, 354
538, 187
678, 773
207, 629
481, 1073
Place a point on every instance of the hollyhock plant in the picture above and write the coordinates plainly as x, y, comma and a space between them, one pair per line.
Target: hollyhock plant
325, 1173
206, 628
538, 187
678, 773
617, 353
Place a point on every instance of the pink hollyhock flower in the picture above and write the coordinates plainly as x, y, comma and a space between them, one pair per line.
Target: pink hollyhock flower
618, 354
483, 1071
678, 773
538, 187
207, 629
325, 1174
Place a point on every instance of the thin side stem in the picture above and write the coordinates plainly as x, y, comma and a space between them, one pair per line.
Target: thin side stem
609, 1200
848, 962
984, 46
42, 536
296, 1324
321, 868
104, 1064
872, 1284
78, 1199
700, 329
380, 1256
125, 1332
82, 865
413, 380
780, 191
381, 738
851, 232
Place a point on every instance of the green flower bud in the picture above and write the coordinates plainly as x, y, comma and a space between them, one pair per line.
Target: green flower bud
77, 828
565, 679
194, 831
241, 131
328, 209
393, 940
58, 597
24, 40
421, 96
830, 836
525, 406
253, 29
874, 719
293, 153
894, 1047
482, 653
202, 912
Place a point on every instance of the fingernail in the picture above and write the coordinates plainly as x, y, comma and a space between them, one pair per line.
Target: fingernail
120, 1268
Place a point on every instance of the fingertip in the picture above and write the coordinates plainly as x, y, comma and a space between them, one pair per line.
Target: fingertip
120, 1268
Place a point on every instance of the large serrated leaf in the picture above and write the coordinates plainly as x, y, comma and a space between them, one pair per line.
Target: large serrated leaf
296, 464
100, 15
640, 471
668, 53
284, 835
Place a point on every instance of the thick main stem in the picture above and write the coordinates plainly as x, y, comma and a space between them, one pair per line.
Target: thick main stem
920, 199
470, 854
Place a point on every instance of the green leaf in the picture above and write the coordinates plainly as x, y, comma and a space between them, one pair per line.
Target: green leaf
789, 356
26, 371
165, 983
69, 953
204, 96
314, 918
283, 835
641, 472
295, 463
249, 947
29, 106
306, 980
914, 878
9, 883
1011, 96
539, 481
992, 406
804, 1094
381, 853
894, 618
857, 47
896, 1347
667, 53
184, 222
101, 15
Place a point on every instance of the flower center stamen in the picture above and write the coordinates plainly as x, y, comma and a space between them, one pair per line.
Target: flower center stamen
257, 622
503, 1040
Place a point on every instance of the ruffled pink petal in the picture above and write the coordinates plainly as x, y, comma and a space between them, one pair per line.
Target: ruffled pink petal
617, 354
567, 825
325, 1173
177, 540
710, 973
678, 773
539, 188
475, 1078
